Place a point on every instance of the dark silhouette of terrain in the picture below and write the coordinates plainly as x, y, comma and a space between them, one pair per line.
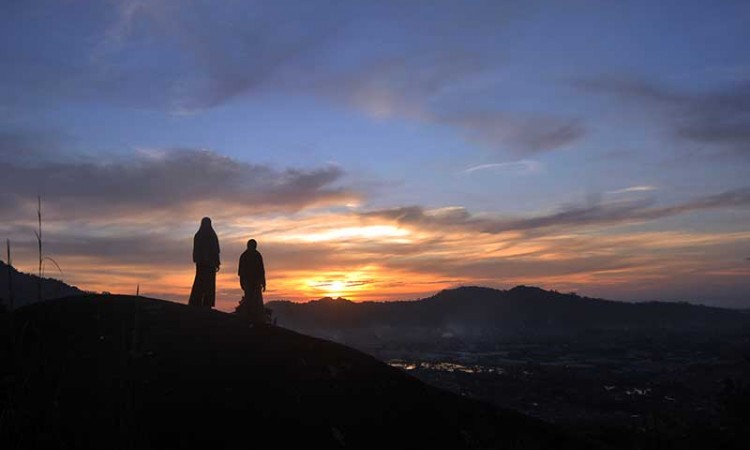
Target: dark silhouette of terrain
94, 372
25, 287
648, 375
477, 313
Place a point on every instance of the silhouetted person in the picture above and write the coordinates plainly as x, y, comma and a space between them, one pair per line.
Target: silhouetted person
253, 281
206, 259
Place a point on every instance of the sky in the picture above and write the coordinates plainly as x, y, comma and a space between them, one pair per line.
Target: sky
382, 150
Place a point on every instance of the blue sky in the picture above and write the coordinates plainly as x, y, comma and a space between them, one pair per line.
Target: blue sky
614, 118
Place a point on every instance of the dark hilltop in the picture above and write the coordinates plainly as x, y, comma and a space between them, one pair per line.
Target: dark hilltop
469, 367
94, 372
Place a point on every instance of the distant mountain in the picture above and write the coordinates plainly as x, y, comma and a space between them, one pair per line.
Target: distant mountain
128, 372
480, 313
26, 287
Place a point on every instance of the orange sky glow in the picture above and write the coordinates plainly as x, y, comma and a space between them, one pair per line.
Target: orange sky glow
316, 254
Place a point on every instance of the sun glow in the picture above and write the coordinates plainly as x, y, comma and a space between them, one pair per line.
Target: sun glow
332, 287
349, 284
336, 287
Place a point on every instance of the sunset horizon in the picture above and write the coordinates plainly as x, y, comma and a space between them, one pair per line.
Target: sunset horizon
538, 211
360, 281
381, 151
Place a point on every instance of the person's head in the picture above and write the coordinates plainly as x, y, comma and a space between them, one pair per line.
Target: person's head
252, 244
206, 222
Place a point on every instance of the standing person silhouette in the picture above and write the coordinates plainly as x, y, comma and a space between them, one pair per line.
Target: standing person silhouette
206, 259
253, 282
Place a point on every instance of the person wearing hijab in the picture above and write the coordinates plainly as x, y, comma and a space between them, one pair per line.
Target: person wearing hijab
206, 259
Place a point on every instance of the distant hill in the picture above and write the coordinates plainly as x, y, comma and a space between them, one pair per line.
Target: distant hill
481, 313
94, 372
25, 287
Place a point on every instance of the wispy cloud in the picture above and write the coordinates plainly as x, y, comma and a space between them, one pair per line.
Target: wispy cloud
626, 190
208, 53
599, 214
523, 167
719, 117
520, 134
413, 87
394, 85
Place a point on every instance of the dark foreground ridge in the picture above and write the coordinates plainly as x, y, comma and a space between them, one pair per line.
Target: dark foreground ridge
95, 372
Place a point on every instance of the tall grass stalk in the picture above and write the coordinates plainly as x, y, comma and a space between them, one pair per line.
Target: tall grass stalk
39, 241
10, 277
42, 258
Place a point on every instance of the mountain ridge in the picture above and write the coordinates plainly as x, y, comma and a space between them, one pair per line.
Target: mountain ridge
446, 294
521, 311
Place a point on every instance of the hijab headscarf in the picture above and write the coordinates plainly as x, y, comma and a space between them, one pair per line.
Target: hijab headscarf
206, 245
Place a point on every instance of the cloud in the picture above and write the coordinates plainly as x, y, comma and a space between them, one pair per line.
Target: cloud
599, 214
341, 284
417, 87
521, 134
128, 246
632, 189
188, 56
28, 146
720, 117
401, 85
523, 167
178, 56
519, 268
165, 183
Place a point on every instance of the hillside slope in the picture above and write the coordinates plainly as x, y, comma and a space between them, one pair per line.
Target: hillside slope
26, 287
125, 372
